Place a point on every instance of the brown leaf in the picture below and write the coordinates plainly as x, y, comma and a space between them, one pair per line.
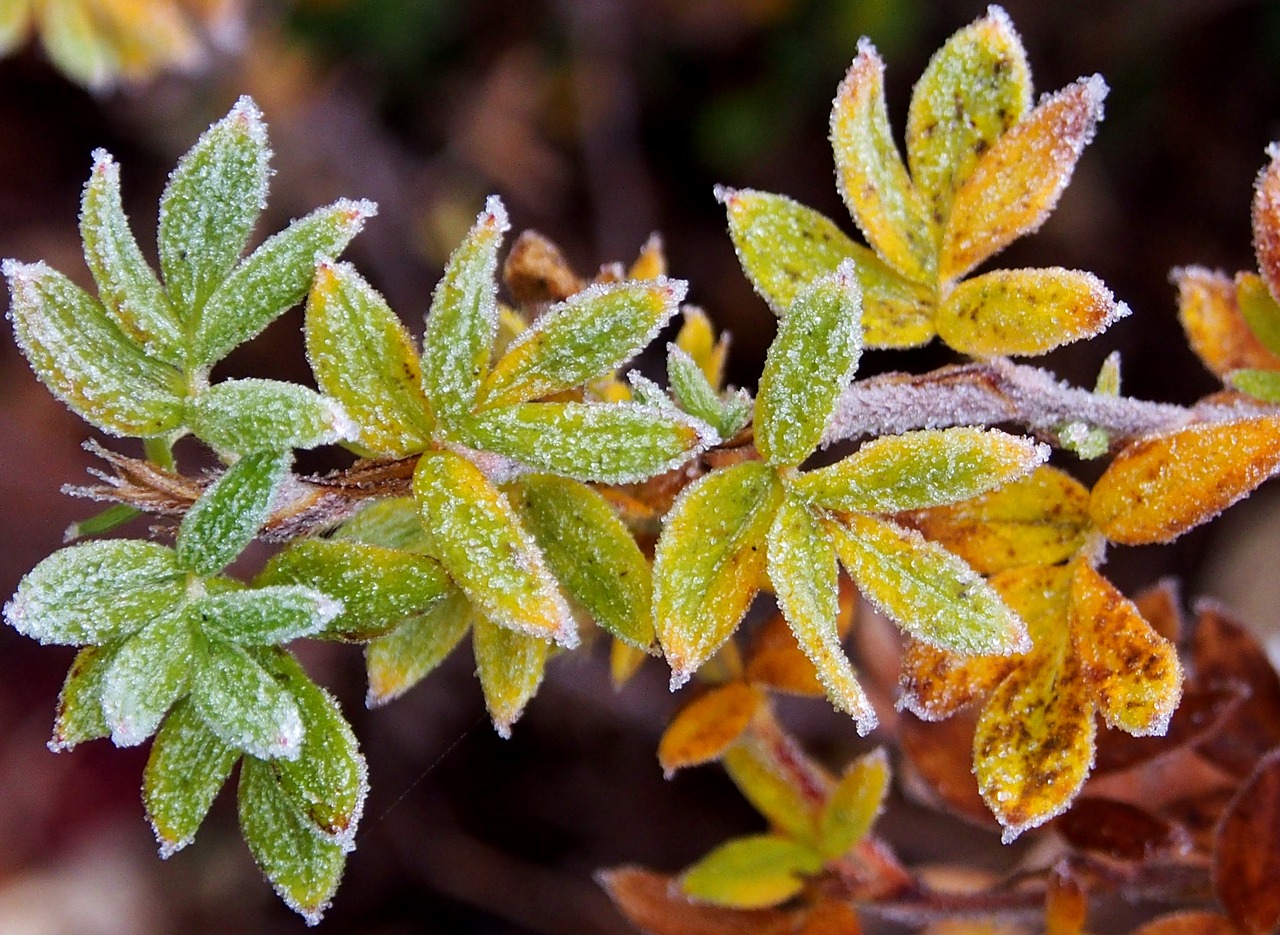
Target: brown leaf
1189, 923
1246, 867
941, 755
653, 903
1266, 221
831, 917
1161, 606
1120, 830
536, 272
1200, 715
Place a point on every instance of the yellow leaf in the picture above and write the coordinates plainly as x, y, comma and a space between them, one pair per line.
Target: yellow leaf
510, 666
853, 805
1133, 673
770, 793
1026, 311
937, 683
704, 729
697, 338
624, 661
651, 262
1041, 519
1017, 182
1157, 489
1215, 328
870, 174
398, 661
753, 872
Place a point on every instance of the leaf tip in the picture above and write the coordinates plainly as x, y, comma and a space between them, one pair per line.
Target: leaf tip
725, 195
246, 116
494, 216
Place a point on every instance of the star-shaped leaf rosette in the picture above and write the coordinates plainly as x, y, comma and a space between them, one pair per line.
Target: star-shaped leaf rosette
766, 523
983, 168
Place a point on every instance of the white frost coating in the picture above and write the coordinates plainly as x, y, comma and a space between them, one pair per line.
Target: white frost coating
494, 208
345, 428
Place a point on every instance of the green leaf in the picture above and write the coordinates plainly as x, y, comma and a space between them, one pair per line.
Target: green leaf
728, 416
328, 781
768, 791
242, 416
710, 562
187, 767
96, 592
274, 278
127, 286
79, 714
752, 872
591, 552
245, 705
85, 360
151, 670
363, 357
464, 319
853, 805
399, 660
930, 593
476, 535
582, 338
266, 615
975, 88
1260, 310
376, 587
113, 517
921, 469
784, 246
230, 512
808, 365
804, 574
1262, 385
210, 205
874, 183
303, 869
510, 666
393, 523
612, 443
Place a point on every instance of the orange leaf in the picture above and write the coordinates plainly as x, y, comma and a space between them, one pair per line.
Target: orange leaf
1266, 221
1065, 908
1246, 869
1133, 673
653, 903
831, 917
1157, 489
1215, 328
1189, 923
776, 659
1161, 606
1017, 182
937, 683
703, 729
942, 757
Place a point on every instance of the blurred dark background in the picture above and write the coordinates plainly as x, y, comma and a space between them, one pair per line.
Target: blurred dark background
598, 121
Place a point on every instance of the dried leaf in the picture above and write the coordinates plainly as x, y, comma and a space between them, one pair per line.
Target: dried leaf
399, 660
187, 766
1266, 221
1120, 831
1189, 923
1026, 311
1157, 489
653, 903
710, 562
230, 512
942, 755
705, 728
753, 872
1246, 866
874, 183
1215, 328
1017, 182
510, 666
537, 273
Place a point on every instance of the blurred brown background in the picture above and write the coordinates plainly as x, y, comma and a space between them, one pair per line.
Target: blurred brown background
598, 121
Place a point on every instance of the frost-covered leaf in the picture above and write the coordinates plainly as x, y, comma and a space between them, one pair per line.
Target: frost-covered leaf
230, 512
612, 443
710, 562
751, 872
852, 806
808, 365
375, 587
95, 592
399, 660
1216, 330
84, 358
210, 205
705, 728
266, 615
925, 589
245, 705
363, 357
474, 532
242, 416
1017, 182
975, 88
775, 658
148, 673
1026, 311
393, 523
510, 667
1132, 673
1040, 519
591, 552
1158, 488
464, 319
1266, 221
127, 286
784, 246
874, 183
588, 335
274, 278
1262, 385
769, 792
303, 868
1246, 871
187, 767
102, 522
696, 396
328, 781
79, 713
804, 574
1259, 310
936, 683
921, 469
